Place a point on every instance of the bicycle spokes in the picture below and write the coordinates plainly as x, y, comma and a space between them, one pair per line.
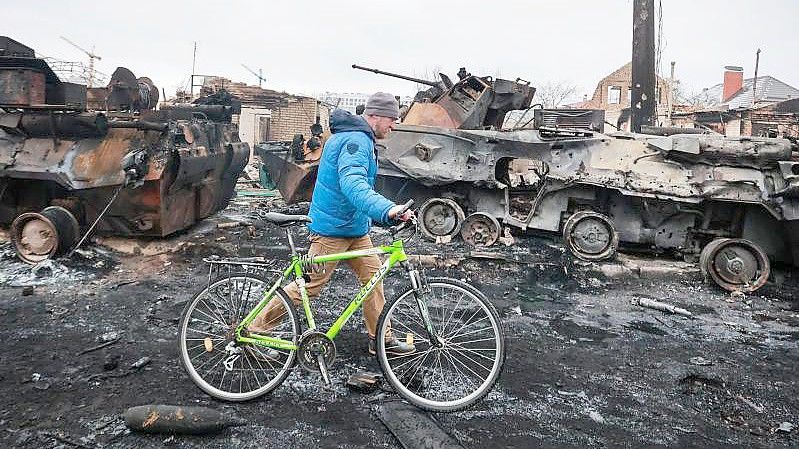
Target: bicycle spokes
210, 352
463, 358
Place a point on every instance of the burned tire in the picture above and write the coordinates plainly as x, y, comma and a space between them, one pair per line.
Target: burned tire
735, 264
590, 236
440, 219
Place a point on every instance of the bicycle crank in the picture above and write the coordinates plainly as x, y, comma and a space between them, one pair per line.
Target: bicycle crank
316, 353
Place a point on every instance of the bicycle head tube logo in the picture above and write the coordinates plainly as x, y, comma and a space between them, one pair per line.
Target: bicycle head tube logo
372, 282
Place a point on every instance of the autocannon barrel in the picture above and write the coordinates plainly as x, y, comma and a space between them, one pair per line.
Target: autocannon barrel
395, 75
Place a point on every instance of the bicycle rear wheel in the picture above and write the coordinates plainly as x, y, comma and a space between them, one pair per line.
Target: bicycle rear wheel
208, 349
463, 366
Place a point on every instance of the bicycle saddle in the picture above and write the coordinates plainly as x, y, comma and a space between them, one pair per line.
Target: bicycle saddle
283, 219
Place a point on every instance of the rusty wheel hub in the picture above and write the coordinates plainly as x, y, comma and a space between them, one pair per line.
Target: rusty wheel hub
480, 229
735, 264
440, 217
39, 236
590, 236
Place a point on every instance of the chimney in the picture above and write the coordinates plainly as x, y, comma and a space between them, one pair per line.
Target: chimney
733, 81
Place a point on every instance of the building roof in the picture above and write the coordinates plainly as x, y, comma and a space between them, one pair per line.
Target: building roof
769, 90
248, 95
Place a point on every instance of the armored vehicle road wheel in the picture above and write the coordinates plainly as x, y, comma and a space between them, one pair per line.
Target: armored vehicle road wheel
735, 264
480, 229
440, 218
43, 235
590, 236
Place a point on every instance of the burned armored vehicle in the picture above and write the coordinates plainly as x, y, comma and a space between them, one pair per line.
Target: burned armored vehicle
731, 203
734, 201
72, 158
292, 165
471, 103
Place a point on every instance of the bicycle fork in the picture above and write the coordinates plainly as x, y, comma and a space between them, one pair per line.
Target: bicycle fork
419, 290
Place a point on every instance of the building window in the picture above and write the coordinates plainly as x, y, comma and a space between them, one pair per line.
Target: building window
614, 94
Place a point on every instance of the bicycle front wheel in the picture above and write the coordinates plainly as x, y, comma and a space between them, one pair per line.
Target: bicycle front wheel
207, 342
463, 362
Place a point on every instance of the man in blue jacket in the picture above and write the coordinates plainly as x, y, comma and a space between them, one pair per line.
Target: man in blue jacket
344, 205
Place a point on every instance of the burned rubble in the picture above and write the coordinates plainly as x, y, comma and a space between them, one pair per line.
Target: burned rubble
587, 365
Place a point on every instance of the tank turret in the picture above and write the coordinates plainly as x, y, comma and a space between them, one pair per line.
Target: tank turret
473, 102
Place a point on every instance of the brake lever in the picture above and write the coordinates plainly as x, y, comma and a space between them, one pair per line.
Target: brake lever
394, 230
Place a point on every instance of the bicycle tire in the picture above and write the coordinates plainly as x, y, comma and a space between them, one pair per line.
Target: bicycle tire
258, 370
424, 388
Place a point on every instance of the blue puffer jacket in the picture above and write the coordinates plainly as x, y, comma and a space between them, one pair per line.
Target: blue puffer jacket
344, 202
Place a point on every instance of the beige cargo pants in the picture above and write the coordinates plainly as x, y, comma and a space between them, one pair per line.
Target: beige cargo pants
364, 268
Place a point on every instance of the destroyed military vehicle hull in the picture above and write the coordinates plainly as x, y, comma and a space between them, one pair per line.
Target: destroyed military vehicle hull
69, 160
732, 201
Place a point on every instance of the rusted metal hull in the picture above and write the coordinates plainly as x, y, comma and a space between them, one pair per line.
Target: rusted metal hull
294, 180
21, 87
181, 187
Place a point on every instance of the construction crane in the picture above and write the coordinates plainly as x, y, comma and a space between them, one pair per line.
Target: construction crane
92, 57
258, 75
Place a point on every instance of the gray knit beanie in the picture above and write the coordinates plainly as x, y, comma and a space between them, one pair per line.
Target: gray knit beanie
382, 104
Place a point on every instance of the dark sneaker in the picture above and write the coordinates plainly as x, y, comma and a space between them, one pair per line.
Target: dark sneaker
393, 346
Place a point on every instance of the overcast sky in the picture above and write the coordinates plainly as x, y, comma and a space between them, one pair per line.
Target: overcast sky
308, 46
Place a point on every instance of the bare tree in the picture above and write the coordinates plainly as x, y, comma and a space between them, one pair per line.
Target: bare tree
429, 74
699, 99
554, 94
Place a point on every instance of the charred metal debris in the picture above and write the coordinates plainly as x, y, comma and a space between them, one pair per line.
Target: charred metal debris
732, 203
73, 158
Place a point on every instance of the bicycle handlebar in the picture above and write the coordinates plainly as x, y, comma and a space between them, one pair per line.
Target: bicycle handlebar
405, 207
393, 230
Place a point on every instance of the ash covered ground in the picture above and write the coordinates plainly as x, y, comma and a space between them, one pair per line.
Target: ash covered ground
586, 366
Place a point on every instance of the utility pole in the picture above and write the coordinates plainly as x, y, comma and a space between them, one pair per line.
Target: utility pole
754, 81
193, 68
671, 91
643, 103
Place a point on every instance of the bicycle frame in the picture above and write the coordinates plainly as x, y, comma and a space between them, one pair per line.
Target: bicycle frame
396, 252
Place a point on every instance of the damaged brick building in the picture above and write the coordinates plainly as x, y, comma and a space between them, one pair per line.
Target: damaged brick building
613, 94
269, 115
760, 107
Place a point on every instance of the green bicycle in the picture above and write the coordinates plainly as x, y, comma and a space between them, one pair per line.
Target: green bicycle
457, 335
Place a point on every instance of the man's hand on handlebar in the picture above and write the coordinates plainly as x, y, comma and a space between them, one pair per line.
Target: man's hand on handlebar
402, 212
404, 216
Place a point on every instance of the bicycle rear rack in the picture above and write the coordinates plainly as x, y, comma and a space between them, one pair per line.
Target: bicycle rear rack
220, 267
